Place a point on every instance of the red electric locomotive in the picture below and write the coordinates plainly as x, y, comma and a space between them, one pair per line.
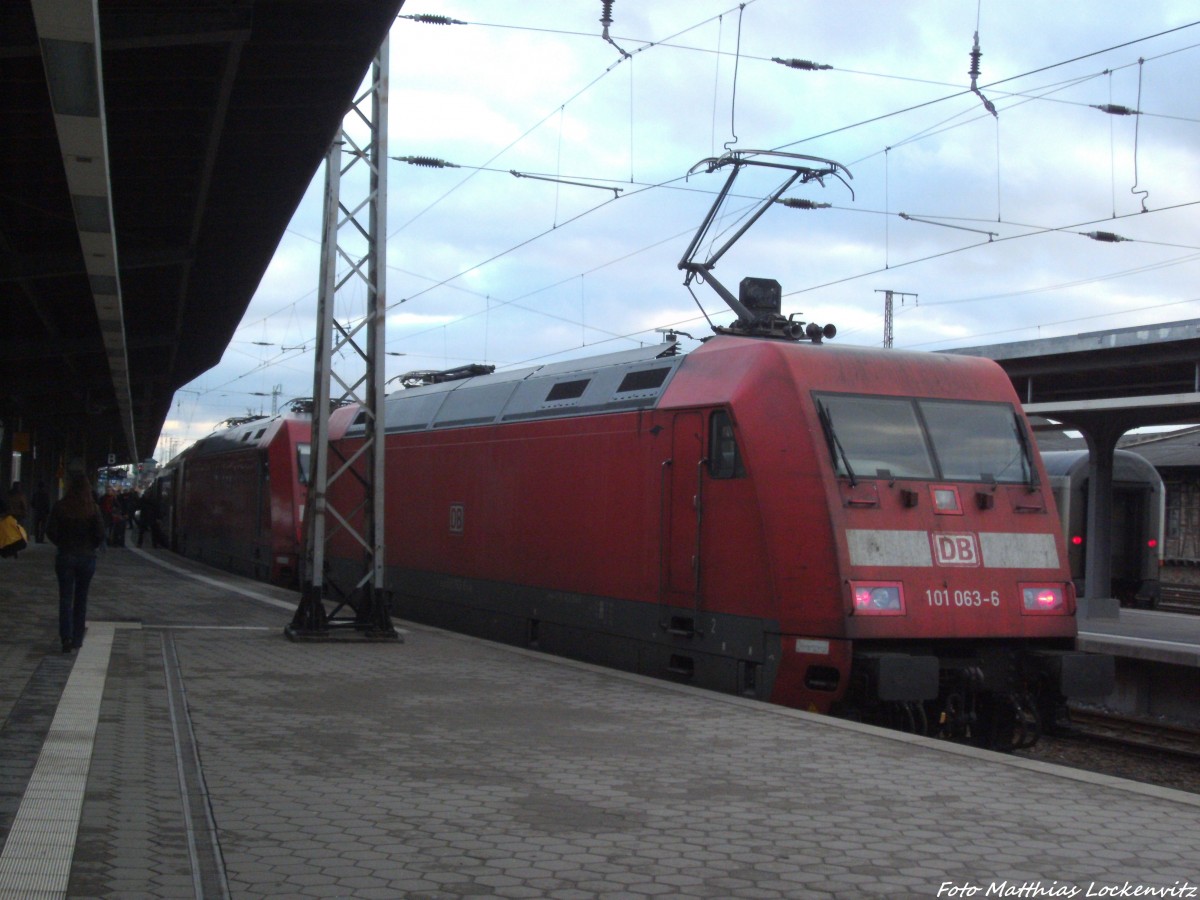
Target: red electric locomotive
235, 499
829, 528
849, 530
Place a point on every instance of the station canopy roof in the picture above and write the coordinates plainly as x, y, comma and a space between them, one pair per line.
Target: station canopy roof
142, 196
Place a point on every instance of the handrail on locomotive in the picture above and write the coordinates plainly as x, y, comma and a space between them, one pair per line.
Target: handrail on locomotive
758, 306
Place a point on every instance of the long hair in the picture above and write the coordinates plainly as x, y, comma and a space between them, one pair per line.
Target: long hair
78, 502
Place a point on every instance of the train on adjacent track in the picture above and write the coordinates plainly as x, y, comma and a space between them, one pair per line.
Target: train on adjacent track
1138, 516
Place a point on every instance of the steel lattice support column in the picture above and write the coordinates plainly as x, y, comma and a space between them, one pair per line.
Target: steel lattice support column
350, 370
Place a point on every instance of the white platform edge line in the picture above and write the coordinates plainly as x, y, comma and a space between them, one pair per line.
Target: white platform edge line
216, 582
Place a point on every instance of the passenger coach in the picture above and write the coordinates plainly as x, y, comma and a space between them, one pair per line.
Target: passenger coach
1138, 515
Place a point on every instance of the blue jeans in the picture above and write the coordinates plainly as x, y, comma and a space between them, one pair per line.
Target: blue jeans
74, 571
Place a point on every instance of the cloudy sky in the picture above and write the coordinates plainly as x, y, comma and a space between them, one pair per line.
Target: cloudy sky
980, 220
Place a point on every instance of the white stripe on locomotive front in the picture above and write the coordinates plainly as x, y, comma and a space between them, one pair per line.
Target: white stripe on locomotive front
912, 549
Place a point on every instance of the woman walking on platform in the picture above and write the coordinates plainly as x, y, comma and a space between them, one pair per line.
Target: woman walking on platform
77, 529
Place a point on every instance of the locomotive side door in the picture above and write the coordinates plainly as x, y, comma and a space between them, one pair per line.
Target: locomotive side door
684, 510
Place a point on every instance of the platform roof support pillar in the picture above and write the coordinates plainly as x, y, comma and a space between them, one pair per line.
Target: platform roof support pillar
1098, 601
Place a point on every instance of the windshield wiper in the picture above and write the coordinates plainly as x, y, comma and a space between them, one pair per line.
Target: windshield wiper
835, 446
1031, 479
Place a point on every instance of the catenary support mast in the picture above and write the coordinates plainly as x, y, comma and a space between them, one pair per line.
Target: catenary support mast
350, 369
887, 313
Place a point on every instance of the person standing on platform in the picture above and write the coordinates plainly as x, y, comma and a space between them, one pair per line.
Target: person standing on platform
40, 504
147, 520
76, 527
109, 513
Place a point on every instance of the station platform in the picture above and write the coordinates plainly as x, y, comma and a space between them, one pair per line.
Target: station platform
1164, 637
1157, 656
189, 749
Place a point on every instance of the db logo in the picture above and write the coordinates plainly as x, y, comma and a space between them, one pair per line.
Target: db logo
956, 549
458, 518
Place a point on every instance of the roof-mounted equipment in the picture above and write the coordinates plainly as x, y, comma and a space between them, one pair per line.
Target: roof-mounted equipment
424, 377
237, 421
759, 302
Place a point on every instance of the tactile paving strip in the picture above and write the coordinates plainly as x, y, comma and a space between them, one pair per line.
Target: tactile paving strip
36, 860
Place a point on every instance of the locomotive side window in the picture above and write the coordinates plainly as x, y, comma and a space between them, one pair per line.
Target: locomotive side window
977, 441
264, 495
871, 435
304, 461
724, 458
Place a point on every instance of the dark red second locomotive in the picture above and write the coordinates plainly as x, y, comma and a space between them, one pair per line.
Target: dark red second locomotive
235, 499
840, 529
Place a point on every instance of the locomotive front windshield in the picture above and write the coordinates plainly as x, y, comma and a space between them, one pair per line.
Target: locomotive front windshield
907, 437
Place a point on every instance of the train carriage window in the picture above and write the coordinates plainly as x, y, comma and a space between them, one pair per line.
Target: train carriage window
724, 458
873, 435
976, 441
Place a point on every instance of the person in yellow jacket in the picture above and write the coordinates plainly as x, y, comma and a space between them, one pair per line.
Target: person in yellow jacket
13, 538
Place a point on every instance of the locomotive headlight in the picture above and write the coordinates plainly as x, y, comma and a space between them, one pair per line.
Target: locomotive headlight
1043, 599
877, 599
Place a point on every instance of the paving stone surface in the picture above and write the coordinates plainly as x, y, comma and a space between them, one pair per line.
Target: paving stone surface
445, 767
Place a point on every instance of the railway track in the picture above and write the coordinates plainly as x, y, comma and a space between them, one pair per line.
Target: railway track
1180, 598
1149, 752
1131, 733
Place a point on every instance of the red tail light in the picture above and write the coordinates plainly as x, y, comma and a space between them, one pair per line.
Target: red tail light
1044, 599
877, 598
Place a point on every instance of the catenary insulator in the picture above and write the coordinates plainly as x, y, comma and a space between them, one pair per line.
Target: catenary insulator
801, 203
1114, 109
806, 64
428, 19
1106, 236
427, 161
976, 53
606, 16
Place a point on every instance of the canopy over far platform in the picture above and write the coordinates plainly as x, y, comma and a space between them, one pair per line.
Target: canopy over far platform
1104, 384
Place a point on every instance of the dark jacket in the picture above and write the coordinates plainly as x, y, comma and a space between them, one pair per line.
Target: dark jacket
76, 536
